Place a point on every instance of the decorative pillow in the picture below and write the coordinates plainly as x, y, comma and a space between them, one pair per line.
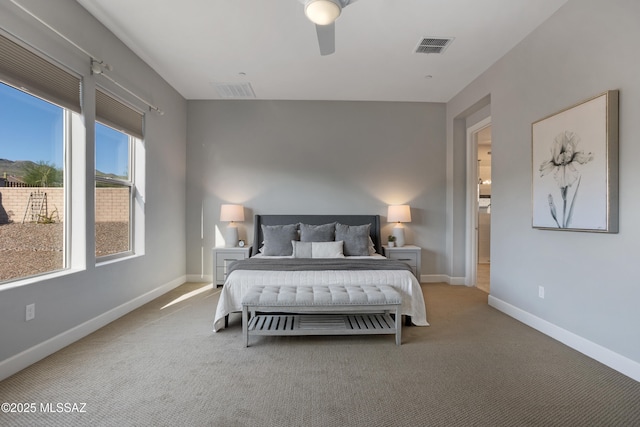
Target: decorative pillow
301, 249
317, 233
355, 237
372, 247
327, 249
277, 239
317, 249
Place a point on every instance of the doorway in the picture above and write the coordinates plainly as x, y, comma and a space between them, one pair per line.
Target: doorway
478, 260
483, 137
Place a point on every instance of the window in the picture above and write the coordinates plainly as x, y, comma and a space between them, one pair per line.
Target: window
40, 123
116, 129
113, 191
32, 202
37, 103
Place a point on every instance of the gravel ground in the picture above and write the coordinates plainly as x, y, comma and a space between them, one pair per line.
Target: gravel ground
111, 237
29, 249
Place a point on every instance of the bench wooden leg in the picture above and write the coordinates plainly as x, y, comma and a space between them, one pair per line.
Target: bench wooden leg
398, 326
245, 325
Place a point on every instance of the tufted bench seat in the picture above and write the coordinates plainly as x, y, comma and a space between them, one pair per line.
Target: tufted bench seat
321, 310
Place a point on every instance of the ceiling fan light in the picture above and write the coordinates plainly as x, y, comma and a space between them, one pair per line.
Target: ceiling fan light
322, 12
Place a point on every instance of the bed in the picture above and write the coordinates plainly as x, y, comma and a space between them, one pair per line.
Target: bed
318, 254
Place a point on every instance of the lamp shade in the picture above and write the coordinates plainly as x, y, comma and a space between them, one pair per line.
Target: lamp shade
322, 12
231, 213
399, 213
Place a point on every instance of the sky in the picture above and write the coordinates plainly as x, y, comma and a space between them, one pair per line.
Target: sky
32, 129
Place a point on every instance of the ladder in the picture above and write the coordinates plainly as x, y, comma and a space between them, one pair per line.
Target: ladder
36, 207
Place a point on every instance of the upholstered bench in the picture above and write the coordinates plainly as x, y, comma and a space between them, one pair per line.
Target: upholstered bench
321, 310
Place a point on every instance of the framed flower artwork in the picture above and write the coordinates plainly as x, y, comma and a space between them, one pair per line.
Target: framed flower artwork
575, 167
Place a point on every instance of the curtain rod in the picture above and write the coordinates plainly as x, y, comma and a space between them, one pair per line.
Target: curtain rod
98, 66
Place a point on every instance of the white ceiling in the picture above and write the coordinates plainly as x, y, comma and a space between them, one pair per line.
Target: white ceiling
272, 45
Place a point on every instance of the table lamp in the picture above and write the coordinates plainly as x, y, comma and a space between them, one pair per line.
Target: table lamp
399, 214
232, 214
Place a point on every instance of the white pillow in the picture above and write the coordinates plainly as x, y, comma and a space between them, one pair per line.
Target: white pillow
372, 247
301, 249
318, 249
327, 249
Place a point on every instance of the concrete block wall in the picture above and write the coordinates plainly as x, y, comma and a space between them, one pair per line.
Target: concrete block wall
15, 200
112, 204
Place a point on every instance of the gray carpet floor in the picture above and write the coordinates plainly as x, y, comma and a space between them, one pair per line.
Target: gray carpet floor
161, 365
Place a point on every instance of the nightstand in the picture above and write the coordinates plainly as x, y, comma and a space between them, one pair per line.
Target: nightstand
221, 259
409, 254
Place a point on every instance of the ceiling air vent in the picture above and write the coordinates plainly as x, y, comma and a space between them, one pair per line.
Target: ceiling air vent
433, 45
235, 90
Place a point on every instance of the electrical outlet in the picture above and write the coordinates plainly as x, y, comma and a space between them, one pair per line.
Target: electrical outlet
541, 291
30, 312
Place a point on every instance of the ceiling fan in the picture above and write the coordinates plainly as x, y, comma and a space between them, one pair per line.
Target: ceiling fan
324, 13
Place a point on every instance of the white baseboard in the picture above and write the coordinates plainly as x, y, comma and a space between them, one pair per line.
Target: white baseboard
434, 278
603, 355
46, 348
458, 281
441, 278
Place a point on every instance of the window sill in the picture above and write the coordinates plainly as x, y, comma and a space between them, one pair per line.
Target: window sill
110, 259
39, 278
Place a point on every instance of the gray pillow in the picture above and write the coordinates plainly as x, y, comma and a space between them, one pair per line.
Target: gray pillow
277, 239
355, 237
317, 233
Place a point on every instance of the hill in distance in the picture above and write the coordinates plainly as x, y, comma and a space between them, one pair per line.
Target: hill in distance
16, 168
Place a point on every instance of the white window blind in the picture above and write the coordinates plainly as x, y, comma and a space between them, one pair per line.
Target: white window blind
24, 69
114, 113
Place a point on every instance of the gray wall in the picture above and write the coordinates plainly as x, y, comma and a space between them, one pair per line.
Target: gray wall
65, 303
592, 289
316, 157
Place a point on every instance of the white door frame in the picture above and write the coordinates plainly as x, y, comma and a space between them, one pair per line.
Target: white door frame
471, 263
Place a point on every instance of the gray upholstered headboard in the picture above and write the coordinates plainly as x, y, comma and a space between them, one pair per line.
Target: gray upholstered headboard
260, 220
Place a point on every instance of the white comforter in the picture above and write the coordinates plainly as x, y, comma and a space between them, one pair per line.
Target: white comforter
239, 281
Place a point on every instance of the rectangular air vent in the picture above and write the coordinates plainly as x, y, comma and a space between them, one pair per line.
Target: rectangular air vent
234, 90
433, 44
